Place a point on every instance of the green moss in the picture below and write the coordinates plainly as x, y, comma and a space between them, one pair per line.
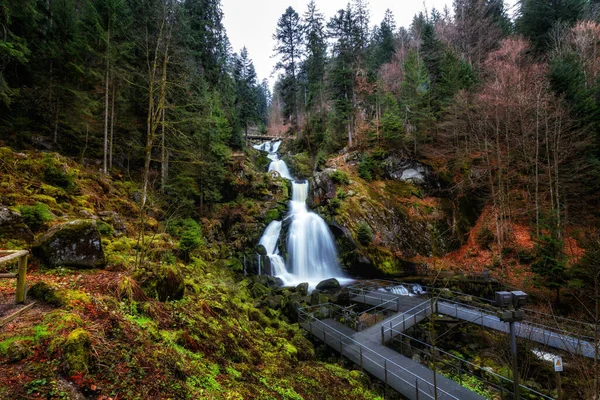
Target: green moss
36, 216
42, 291
105, 229
77, 351
272, 215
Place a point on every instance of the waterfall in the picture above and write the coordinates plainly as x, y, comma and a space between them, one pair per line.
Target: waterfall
310, 244
312, 254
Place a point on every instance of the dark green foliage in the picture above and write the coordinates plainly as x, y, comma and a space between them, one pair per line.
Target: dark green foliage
550, 263
366, 167
289, 47
189, 233
370, 166
364, 233
340, 177
538, 17
392, 122
35, 217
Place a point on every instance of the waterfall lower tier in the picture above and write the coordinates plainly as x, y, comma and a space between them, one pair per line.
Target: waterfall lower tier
310, 245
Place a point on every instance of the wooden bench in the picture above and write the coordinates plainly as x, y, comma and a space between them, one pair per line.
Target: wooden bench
20, 255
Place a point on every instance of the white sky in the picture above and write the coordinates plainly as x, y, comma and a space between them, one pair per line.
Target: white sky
252, 23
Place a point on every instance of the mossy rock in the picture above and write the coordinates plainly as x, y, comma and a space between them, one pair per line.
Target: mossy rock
77, 352
18, 350
259, 290
44, 292
74, 244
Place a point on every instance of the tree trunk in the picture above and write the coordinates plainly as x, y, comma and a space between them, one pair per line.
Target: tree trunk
106, 96
112, 127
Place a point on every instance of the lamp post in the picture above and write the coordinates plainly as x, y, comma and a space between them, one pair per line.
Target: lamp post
510, 303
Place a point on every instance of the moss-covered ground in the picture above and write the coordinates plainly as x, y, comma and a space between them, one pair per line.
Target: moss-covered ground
104, 334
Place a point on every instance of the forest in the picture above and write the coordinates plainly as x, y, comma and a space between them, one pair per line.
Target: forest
133, 123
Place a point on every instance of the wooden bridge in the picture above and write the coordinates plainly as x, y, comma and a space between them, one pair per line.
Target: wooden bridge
266, 138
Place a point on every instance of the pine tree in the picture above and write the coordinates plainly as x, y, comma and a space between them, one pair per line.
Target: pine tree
289, 48
415, 98
538, 17
316, 54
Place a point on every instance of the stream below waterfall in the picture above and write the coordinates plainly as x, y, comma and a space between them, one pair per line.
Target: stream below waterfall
311, 252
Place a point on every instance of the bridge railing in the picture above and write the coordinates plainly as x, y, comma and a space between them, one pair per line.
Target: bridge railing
460, 367
366, 358
371, 316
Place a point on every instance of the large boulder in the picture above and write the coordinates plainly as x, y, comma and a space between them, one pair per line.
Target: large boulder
74, 244
407, 170
329, 285
12, 226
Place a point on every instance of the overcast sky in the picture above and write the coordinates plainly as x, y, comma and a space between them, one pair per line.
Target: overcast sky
251, 23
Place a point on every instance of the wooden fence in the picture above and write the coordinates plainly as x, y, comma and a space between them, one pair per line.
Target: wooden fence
20, 255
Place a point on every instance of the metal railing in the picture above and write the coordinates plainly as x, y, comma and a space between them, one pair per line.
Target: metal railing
369, 359
462, 367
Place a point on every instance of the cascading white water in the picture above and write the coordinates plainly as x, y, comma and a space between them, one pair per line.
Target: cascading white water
310, 245
312, 251
281, 167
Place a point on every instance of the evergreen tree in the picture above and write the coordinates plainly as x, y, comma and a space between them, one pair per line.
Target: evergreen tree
538, 17
316, 54
247, 94
289, 48
384, 42
415, 98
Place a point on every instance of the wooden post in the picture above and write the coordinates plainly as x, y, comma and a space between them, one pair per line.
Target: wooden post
21, 279
559, 386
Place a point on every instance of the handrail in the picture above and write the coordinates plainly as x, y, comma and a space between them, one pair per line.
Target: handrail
20, 255
463, 361
342, 335
391, 321
524, 323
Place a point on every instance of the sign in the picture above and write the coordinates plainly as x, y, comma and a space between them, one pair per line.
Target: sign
558, 364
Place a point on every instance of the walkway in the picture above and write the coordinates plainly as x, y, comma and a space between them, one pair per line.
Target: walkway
527, 330
365, 349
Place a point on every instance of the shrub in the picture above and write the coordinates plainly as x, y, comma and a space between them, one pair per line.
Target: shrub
189, 233
485, 237
365, 234
340, 177
335, 205
36, 216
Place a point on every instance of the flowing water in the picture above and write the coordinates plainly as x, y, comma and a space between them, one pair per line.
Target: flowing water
312, 254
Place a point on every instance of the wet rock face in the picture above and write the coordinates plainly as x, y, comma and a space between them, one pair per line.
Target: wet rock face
12, 226
405, 170
74, 244
323, 187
